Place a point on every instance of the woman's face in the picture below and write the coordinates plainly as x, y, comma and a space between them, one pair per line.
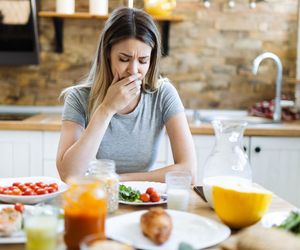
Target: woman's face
129, 57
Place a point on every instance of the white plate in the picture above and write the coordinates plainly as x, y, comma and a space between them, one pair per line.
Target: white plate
31, 199
273, 219
198, 231
142, 186
19, 236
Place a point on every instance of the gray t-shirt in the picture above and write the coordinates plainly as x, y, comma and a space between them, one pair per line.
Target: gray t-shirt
131, 140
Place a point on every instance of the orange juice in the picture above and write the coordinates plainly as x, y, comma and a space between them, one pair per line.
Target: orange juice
85, 210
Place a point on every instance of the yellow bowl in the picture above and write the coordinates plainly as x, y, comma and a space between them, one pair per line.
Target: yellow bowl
159, 7
240, 206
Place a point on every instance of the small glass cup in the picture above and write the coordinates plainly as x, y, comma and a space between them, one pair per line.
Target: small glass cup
41, 224
178, 189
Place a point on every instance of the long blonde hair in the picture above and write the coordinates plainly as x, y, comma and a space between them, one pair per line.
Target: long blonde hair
123, 23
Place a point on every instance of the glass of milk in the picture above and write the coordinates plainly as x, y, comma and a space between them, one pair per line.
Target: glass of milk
178, 189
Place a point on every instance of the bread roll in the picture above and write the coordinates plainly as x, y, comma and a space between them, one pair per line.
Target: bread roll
156, 224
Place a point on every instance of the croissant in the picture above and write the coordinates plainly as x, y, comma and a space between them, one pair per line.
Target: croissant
156, 224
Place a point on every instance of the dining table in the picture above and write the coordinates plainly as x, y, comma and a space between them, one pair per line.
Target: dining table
196, 206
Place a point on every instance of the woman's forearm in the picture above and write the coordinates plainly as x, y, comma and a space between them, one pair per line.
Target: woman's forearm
158, 175
76, 158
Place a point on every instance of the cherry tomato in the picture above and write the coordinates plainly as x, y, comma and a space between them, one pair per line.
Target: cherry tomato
50, 189
8, 192
11, 187
16, 184
41, 191
154, 197
22, 187
54, 185
145, 197
28, 184
16, 191
31, 185
28, 191
19, 207
40, 184
1, 190
150, 190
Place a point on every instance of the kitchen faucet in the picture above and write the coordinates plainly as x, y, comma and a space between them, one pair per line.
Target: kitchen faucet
256, 62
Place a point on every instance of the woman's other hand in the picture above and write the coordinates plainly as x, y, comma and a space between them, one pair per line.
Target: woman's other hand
121, 92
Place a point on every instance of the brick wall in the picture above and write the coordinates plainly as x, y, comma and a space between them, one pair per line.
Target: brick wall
209, 62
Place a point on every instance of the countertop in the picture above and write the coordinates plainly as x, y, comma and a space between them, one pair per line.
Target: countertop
52, 122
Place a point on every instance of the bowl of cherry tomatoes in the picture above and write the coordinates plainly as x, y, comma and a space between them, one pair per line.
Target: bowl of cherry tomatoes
30, 190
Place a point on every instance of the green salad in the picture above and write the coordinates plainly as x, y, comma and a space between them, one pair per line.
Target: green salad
291, 223
129, 194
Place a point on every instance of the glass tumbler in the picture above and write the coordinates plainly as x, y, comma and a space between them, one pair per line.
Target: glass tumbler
178, 189
41, 224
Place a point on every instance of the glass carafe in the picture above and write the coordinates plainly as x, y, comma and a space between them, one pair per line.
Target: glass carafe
228, 162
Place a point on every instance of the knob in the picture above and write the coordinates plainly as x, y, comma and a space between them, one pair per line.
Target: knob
245, 148
257, 149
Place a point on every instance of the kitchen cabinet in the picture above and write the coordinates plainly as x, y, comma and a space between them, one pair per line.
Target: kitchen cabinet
50, 145
275, 164
20, 153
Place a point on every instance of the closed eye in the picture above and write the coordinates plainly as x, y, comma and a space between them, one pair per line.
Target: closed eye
143, 61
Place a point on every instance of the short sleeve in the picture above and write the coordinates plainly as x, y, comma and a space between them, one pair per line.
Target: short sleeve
170, 100
75, 106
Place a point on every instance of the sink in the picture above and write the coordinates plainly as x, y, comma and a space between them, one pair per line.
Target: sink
197, 116
15, 117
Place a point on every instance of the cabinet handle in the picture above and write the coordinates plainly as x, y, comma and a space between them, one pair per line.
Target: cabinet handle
245, 148
257, 149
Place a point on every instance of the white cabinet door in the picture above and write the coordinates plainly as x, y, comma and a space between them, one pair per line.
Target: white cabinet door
50, 145
20, 153
203, 146
276, 165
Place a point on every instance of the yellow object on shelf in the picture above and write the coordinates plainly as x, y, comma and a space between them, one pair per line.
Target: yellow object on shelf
159, 7
240, 206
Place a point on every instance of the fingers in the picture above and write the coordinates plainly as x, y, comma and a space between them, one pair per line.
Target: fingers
130, 79
116, 78
135, 87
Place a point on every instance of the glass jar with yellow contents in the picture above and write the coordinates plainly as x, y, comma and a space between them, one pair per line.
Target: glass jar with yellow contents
159, 7
85, 210
104, 171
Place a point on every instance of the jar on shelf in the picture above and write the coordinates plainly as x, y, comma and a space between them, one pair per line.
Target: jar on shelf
65, 6
105, 171
159, 7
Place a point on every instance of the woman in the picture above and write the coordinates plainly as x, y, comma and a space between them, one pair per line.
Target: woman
120, 110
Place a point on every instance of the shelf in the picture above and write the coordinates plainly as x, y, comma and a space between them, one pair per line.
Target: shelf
58, 25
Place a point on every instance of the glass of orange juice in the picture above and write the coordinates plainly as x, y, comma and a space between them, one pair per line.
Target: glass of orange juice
85, 210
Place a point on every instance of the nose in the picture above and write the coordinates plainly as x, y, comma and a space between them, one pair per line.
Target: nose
133, 68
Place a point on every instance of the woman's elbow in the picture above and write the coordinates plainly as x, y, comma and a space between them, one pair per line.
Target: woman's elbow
61, 171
